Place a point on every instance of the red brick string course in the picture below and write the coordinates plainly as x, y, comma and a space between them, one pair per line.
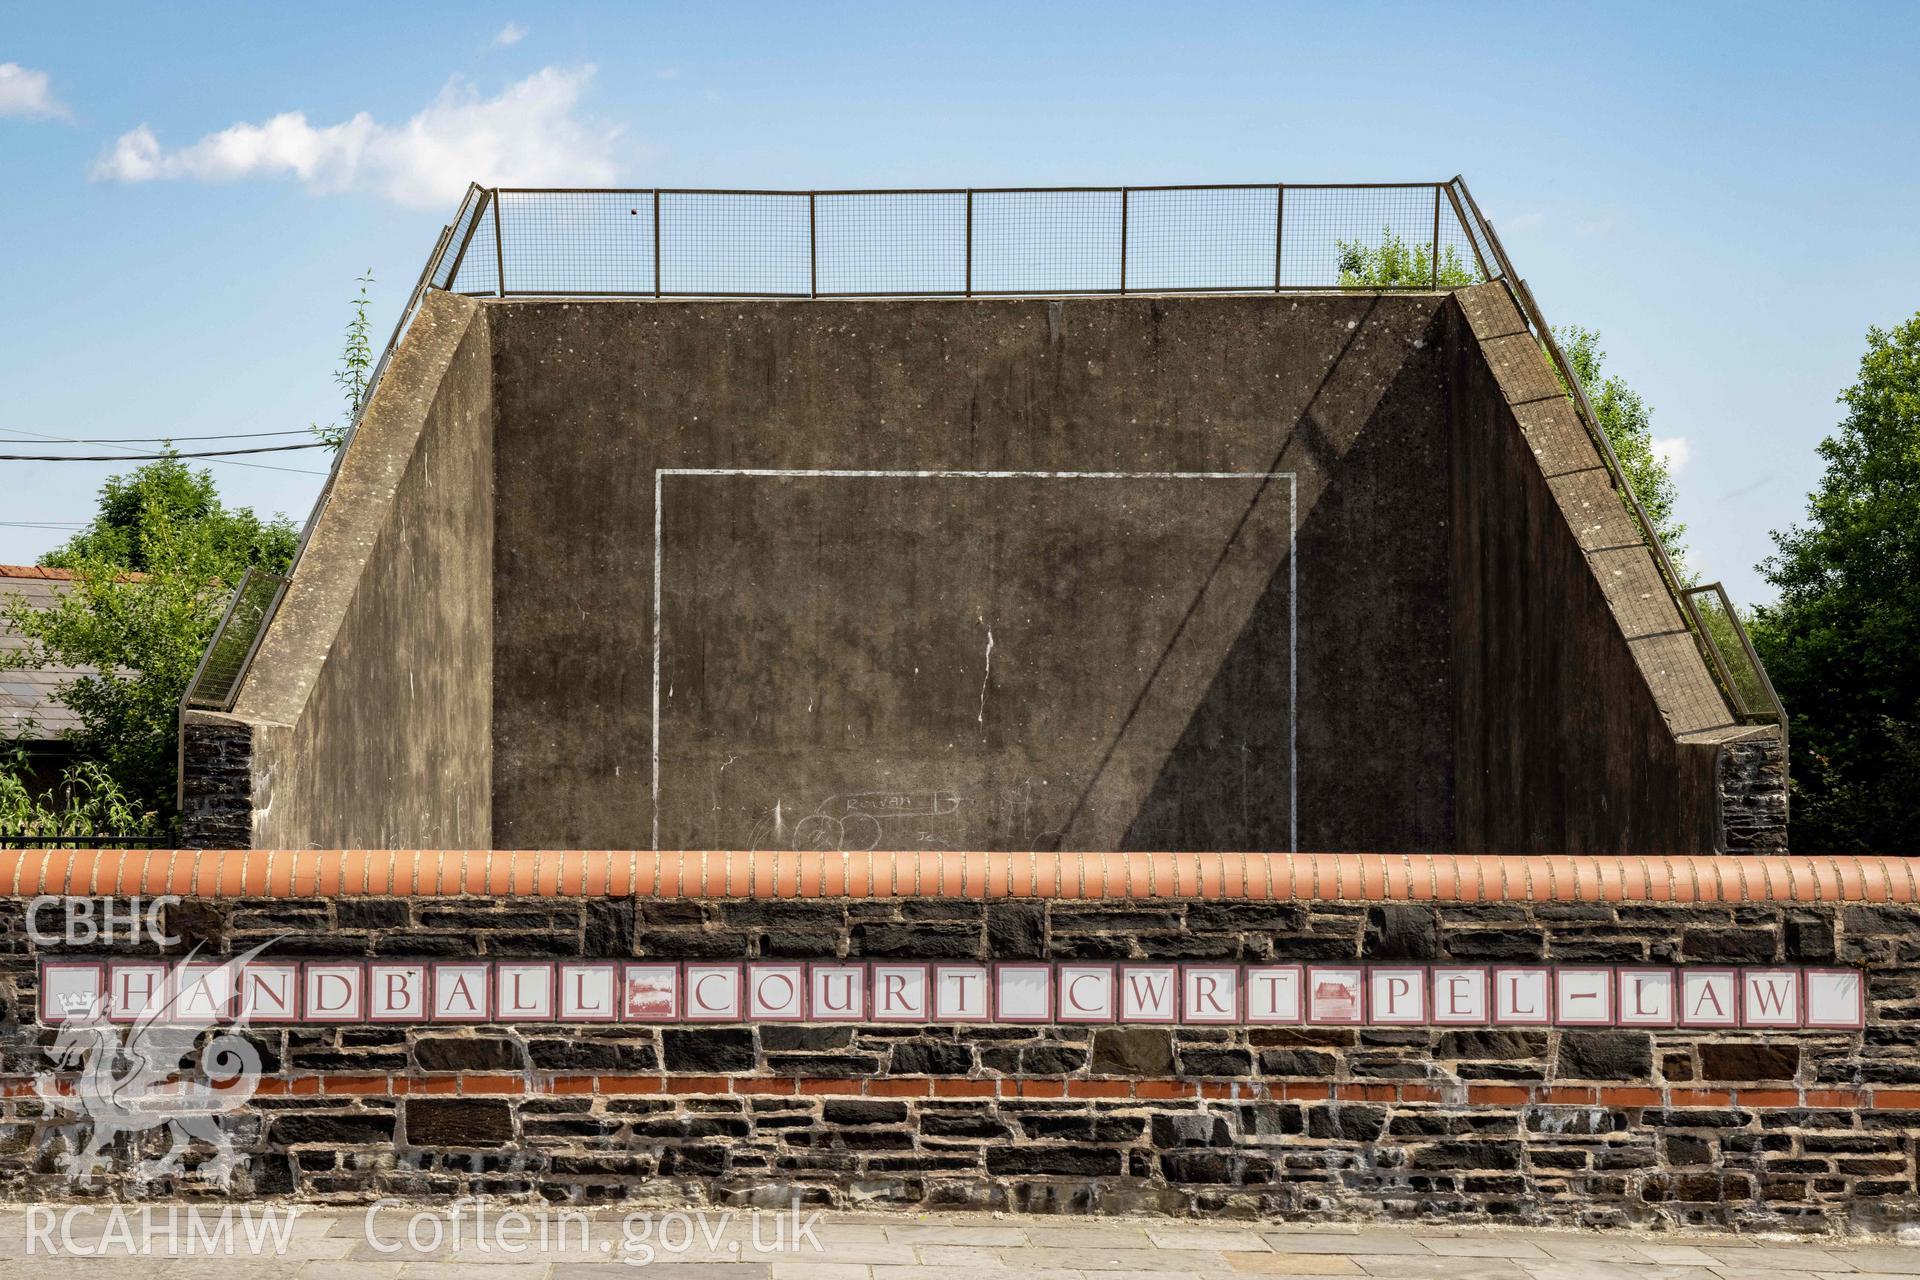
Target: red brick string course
786, 874
473, 1084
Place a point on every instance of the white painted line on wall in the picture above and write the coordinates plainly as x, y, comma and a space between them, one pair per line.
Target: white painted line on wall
1293, 578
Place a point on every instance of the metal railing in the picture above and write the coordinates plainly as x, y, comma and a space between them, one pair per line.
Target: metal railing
984, 242
959, 242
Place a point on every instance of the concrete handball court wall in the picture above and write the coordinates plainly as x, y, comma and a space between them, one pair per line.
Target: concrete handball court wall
1799, 1130
1297, 571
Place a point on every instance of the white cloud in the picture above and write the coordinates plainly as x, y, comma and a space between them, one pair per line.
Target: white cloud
1675, 451
529, 135
512, 33
29, 93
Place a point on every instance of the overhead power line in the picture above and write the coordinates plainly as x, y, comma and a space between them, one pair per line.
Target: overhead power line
237, 435
131, 454
154, 457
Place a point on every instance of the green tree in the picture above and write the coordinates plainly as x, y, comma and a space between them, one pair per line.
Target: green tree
1628, 424
1843, 643
151, 575
1395, 264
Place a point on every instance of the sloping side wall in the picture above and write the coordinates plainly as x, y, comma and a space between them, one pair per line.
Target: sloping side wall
366, 718
1586, 720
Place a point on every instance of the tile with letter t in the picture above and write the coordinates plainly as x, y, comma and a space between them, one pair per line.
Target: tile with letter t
1274, 993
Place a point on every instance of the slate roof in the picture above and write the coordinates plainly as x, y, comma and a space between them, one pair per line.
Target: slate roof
33, 696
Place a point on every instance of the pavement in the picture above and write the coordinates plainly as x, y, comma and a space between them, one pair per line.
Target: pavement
165, 1242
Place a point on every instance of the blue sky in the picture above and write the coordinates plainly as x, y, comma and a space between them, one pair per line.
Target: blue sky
1727, 192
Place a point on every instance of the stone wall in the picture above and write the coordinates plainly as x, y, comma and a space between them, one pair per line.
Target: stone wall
1802, 1131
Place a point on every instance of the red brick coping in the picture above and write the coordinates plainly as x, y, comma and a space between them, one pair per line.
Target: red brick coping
1259, 877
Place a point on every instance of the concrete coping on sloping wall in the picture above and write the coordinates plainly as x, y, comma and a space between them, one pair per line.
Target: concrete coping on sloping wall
794, 874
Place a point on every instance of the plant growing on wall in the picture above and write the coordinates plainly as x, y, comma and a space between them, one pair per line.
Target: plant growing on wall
1395, 264
356, 365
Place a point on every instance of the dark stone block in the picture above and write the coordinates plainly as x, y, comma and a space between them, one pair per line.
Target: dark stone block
609, 928
1245, 917
1016, 931
918, 942
1749, 1061
1215, 1062
1810, 940
1190, 1129
1316, 948
592, 1055
799, 944
466, 1053
458, 1122
1347, 1122
335, 1130
1466, 1155
1605, 1055
714, 1049
674, 911
784, 914
1096, 1128
1695, 1118
1200, 1166
1132, 1051
1069, 1161
1298, 1063
774, 1036
861, 1113
1496, 944
1399, 931
1680, 1148
961, 1124
1492, 1045
371, 913
1895, 922
676, 944
1051, 1060
939, 1059
1729, 946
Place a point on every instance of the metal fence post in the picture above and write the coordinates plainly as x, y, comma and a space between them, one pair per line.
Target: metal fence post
656, 242
1279, 230
499, 252
813, 245
1123, 240
969, 249
1436, 235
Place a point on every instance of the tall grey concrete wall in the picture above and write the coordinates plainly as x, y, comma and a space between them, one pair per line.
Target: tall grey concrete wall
366, 719
1122, 573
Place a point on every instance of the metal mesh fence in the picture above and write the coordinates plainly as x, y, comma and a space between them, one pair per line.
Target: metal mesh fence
1201, 238
231, 650
1739, 667
890, 243
647, 243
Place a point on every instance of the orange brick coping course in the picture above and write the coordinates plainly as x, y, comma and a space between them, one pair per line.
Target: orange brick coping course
1359, 877
479, 1084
